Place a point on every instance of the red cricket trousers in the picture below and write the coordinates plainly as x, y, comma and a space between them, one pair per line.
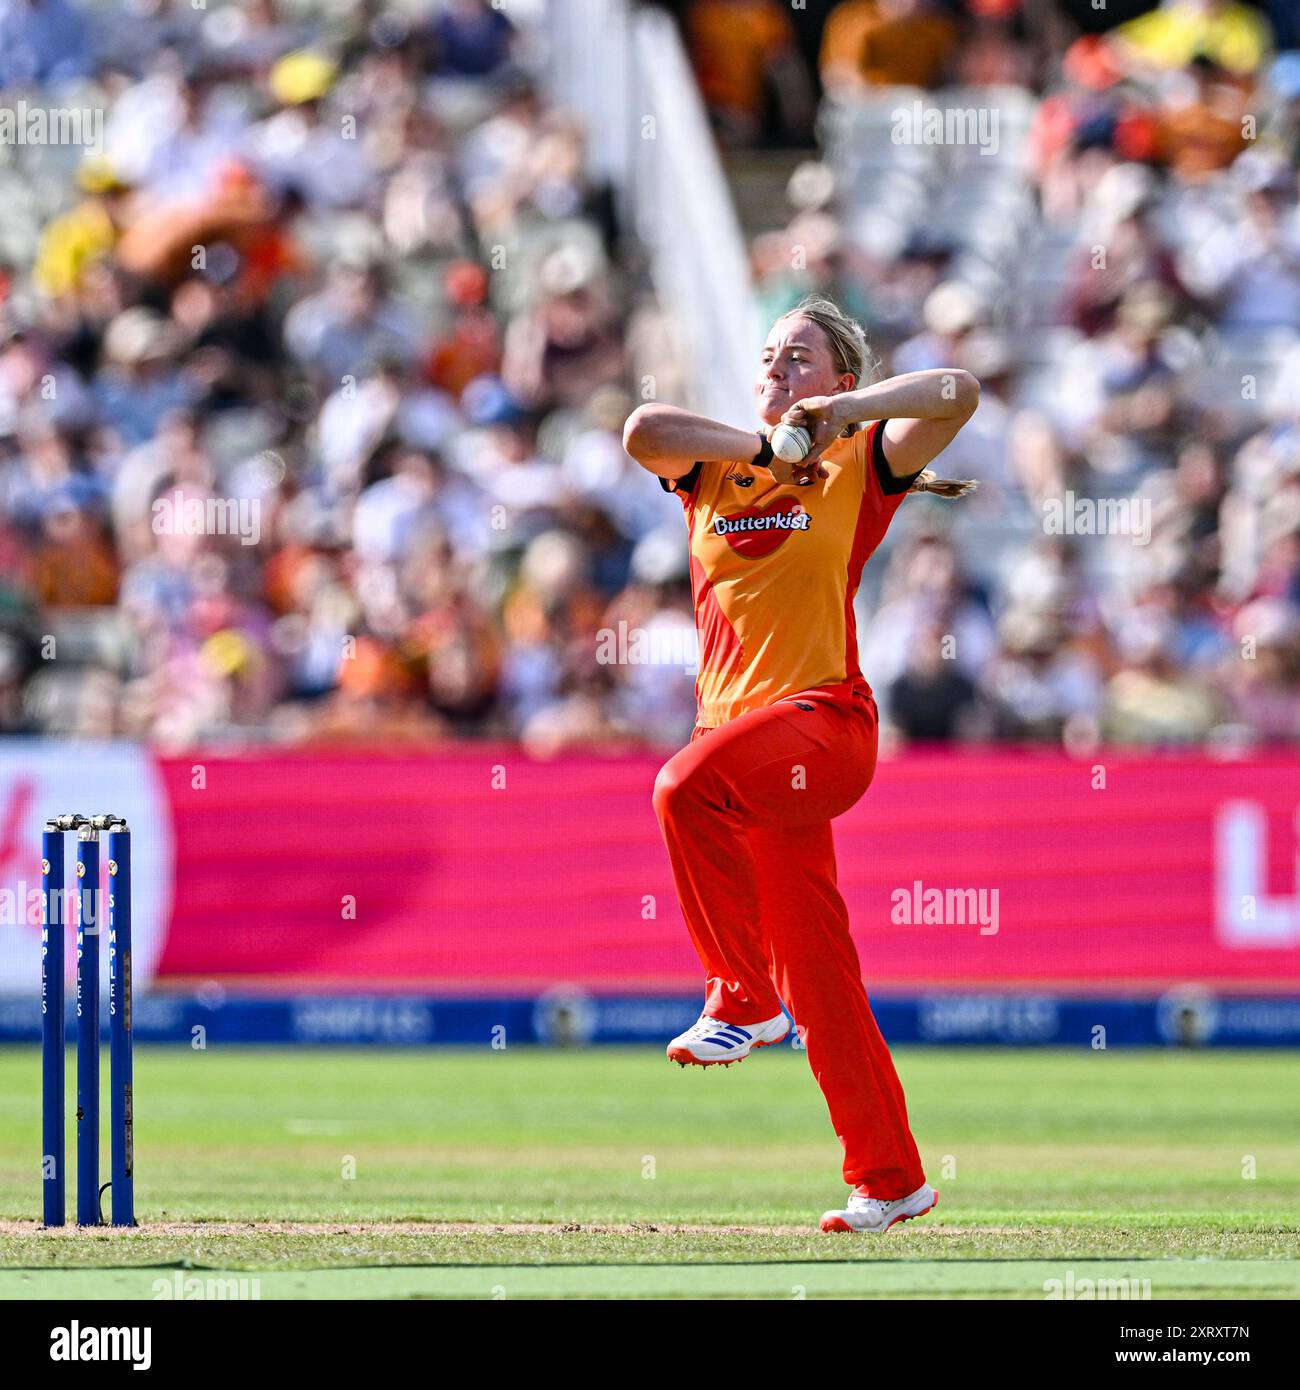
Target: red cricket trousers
745, 810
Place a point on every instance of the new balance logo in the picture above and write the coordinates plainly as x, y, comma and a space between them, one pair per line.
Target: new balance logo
741, 479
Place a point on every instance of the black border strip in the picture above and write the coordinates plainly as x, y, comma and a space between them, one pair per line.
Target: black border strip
889, 485
685, 483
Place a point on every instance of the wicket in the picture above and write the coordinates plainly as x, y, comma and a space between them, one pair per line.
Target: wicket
53, 1030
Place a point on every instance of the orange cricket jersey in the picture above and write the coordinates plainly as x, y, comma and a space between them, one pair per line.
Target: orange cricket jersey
774, 569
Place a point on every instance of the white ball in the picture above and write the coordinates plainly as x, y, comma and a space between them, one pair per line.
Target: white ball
790, 443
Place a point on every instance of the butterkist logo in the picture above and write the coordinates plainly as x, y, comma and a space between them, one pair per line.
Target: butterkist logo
760, 530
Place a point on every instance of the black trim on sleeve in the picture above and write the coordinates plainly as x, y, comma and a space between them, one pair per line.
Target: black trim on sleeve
683, 484
889, 485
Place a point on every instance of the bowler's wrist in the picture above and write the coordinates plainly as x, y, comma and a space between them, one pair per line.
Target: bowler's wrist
763, 458
845, 411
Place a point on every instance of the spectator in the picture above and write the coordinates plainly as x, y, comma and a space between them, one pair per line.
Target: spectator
349, 324
886, 43
1251, 264
738, 48
1178, 32
931, 698
472, 38
1200, 129
44, 41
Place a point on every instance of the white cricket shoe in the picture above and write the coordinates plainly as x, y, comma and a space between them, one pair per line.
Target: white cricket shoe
876, 1215
710, 1041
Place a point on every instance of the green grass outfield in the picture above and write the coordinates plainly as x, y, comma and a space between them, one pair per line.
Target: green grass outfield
606, 1173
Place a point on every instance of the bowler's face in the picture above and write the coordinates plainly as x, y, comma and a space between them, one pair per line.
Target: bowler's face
795, 363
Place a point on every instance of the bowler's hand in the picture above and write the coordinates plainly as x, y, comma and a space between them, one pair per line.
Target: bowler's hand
819, 415
801, 474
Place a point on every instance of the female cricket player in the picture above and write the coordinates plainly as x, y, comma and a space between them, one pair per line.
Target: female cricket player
786, 733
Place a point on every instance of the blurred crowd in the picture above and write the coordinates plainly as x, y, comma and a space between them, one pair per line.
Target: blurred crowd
1130, 569
313, 375
312, 384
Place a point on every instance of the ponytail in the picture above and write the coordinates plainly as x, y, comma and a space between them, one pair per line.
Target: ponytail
947, 488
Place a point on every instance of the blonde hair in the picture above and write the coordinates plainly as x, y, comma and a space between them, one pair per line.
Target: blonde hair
851, 353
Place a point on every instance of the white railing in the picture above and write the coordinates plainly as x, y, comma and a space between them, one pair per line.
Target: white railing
624, 72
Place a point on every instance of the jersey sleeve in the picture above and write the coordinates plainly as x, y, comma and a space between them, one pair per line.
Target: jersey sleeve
878, 465
686, 485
